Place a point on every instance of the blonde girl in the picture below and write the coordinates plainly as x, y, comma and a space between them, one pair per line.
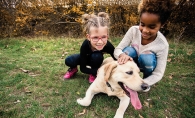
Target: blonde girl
96, 29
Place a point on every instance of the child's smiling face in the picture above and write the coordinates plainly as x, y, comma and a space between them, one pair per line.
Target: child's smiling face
149, 26
98, 37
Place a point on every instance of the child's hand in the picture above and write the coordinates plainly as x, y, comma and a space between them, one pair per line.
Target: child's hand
123, 58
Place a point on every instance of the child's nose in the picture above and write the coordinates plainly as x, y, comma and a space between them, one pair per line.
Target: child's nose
145, 29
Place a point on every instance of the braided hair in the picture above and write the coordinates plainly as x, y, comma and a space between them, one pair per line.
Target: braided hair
92, 20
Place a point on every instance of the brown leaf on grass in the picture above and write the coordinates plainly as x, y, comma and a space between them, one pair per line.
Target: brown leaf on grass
171, 54
72, 49
23, 47
140, 116
6, 46
189, 52
63, 54
26, 90
146, 104
33, 74
171, 76
18, 101
46, 105
33, 49
42, 116
169, 60
25, 71
56, 91
82, 113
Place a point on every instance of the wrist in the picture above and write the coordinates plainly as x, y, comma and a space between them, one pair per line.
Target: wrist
122, 54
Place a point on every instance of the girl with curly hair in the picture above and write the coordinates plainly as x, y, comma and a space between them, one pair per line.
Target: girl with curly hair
145, 44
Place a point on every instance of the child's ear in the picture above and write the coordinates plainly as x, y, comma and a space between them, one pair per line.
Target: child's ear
88, 37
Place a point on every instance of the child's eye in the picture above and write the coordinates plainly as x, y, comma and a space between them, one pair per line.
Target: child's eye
152, 27
95, 38
103, 37
141, 24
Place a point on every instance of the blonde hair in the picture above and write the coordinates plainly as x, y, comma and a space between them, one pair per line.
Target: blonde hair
92, 20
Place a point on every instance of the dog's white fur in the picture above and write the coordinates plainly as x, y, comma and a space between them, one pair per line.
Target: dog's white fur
113, 73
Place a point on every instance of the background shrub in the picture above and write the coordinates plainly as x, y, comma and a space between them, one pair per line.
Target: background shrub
62, 17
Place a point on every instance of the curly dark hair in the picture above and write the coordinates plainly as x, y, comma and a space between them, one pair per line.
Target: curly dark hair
163, 8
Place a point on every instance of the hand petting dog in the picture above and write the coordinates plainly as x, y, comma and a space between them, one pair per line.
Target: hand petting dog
123, 58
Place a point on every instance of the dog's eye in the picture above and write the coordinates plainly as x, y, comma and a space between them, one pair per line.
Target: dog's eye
130, 72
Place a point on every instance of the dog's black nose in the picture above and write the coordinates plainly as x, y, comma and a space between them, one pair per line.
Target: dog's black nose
144, 86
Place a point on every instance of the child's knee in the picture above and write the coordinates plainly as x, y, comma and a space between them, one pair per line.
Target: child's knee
97, 58
72, 60
130, 51
147, 61
68, 61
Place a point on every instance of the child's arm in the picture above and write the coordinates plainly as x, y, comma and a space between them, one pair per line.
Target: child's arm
126, 41
109, 48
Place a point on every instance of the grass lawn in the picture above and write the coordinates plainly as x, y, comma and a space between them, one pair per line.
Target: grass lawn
32, 85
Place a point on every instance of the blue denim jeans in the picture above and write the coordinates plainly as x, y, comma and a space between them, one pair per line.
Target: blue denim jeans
145, 61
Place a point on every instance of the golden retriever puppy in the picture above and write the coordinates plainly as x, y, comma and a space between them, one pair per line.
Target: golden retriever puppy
117, 80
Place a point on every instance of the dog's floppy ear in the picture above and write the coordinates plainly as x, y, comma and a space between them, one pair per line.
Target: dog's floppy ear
108, 70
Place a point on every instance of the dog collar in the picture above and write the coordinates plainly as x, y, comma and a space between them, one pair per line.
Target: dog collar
109, 86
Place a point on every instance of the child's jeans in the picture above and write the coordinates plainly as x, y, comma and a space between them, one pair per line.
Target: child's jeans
94, 60
146, 61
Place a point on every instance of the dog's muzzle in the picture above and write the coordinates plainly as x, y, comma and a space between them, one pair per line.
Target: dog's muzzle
144, 86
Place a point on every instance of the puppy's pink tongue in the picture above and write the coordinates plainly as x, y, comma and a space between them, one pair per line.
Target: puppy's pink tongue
135, 100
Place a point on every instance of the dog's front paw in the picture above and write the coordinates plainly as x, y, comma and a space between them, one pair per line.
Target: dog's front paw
82, 102
79, 101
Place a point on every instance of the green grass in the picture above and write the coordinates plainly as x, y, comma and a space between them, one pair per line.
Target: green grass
41, 92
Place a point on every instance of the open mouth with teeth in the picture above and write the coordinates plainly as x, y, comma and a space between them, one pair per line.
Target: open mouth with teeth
133, 96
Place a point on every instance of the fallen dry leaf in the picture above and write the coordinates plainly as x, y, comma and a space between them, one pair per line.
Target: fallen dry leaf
189, 52
46, 105
23, 47
33, 49
42, 116
18, 101
25, 71
170, 76
84, 110
33, 75
146, 104
169, 60
141, 116
149, 99
171, 54
6, 46
26, 90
